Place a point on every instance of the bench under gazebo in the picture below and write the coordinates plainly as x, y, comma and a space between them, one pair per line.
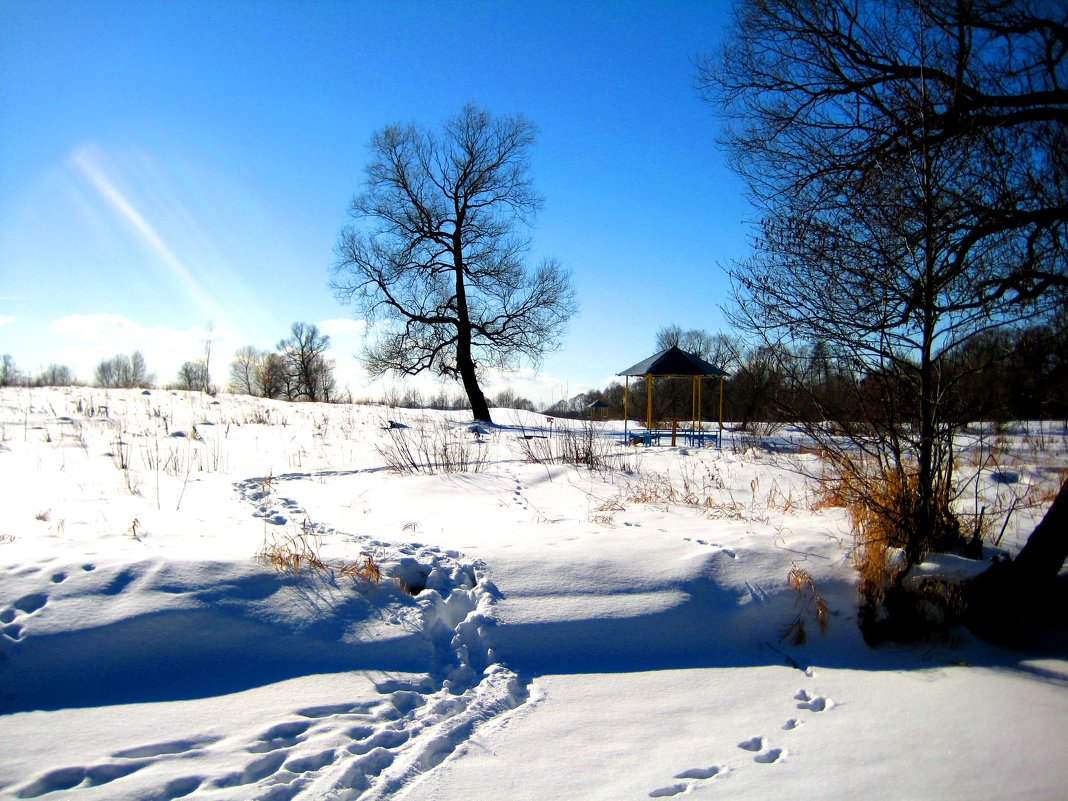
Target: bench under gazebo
673, 363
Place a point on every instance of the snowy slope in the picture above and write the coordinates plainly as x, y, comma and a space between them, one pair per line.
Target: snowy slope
576, 634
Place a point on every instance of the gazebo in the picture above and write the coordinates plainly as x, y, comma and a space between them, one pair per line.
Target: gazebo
672, 363
598, 410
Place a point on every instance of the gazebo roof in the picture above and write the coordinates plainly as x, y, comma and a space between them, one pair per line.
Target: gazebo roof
673, 362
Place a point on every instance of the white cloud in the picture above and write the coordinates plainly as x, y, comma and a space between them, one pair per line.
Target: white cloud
343, 327
346, 341
6, 319
87, 339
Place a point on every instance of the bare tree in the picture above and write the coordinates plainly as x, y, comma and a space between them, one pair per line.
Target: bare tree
272, 378
309, 373
910, 161
206, 374
9, 373
193, 376
56, 375
243, 370
437, 254
123, 371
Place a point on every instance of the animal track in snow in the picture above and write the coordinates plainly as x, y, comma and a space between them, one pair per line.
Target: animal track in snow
255, 771
179, 788
284, 735
311, 763
667, 792
700, 773
813, 703
171, 748
768, 757
727, 551
13, 631
757, 592
31, 603
757, 745
69, 778
24, 607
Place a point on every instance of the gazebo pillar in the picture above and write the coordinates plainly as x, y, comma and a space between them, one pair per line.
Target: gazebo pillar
721, 382
648, 402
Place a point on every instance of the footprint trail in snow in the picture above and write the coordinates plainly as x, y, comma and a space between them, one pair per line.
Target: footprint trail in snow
757, 745
371, 748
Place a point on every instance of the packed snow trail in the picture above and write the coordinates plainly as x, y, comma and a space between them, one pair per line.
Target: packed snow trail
427, 623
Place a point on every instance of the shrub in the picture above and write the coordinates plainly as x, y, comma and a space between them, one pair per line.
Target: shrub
431, 449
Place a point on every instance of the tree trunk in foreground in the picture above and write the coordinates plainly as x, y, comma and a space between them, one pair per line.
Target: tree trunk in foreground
1011, 600
465, 365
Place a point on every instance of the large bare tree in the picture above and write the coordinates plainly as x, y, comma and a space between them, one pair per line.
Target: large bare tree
436, 253
909, 159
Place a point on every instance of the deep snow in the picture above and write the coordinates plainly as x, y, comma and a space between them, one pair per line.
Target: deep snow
582, 634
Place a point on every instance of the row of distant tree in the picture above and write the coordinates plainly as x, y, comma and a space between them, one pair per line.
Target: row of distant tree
121, 371
1005, 374
298, 369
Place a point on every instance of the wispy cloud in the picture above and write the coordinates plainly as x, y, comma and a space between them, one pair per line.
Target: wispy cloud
343, 327
6, 319
172, 218
92, 165
90, 338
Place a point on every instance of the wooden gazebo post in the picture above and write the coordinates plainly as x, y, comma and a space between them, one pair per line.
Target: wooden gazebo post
648, 401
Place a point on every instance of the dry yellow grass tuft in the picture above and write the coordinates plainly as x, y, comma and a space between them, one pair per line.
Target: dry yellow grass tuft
809, 601
290, 552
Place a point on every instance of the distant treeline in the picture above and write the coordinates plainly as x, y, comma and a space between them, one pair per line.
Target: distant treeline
1005, 374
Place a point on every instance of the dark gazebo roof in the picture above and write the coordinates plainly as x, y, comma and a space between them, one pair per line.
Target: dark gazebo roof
673, 362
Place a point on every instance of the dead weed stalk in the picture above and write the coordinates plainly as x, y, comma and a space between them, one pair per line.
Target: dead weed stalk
809, 603
291, 551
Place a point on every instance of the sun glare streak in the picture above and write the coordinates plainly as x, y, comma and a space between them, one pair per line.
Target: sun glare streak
89, 163
165, 226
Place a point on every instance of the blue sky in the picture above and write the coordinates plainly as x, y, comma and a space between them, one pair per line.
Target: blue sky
169, 166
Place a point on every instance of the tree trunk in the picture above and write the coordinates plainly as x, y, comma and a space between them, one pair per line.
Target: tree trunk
465, 362
466, 367
1011, 600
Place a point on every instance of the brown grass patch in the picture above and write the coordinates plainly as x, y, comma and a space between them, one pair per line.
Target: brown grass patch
291, 552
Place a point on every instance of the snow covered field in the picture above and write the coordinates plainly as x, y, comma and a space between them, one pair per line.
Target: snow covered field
541, 630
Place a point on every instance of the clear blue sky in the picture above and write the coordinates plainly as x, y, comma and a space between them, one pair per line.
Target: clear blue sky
167, 165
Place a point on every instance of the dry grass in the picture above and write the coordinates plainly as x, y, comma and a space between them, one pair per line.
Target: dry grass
809, 603
429, 449
291, 552
660, 489
875, 505
587, 445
